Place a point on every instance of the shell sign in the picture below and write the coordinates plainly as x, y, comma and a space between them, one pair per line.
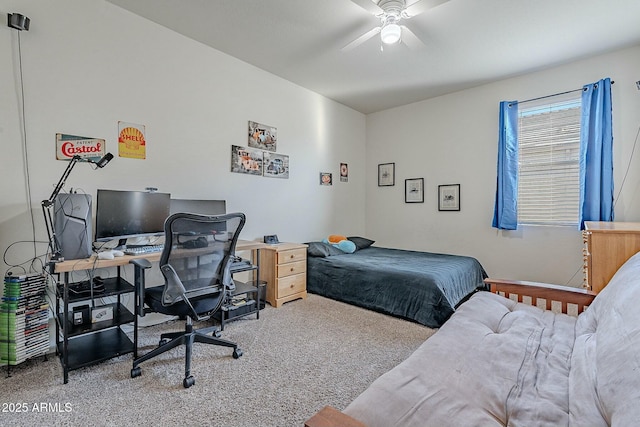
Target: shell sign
131, 141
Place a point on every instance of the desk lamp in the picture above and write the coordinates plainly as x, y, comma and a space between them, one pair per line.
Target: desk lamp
47, 205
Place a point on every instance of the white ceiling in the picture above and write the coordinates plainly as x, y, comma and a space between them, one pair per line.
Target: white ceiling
467, 42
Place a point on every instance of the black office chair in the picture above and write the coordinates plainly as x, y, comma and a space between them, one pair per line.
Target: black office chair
195, 264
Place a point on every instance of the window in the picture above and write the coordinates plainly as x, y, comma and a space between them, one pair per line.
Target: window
548, 163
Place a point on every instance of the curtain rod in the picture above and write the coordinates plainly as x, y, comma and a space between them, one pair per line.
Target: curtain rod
549, 96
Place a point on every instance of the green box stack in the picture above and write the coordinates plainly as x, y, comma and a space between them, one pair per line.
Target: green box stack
24, 319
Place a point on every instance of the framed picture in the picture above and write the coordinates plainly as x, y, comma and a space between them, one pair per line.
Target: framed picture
386, 174
246, 160
326, 178
261, 136
449, 197
344, 172
275, 165
414, 190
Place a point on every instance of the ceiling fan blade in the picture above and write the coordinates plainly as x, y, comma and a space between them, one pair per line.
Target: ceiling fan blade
421, 6
363, 38
410, 39
369, 6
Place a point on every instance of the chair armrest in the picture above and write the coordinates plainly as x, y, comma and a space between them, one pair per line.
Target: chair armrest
565, 295
139, 266
331, 417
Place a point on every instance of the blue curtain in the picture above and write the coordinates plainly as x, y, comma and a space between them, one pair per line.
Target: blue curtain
596, 154
505, 214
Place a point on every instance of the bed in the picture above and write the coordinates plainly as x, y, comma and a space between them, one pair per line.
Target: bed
420, 286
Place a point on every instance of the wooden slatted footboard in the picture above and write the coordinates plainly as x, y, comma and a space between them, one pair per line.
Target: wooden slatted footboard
567, 299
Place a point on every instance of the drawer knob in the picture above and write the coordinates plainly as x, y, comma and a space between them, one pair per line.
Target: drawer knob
292, 269
292, 256
291, 286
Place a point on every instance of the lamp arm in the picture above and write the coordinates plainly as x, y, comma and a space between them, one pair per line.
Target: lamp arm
61, 182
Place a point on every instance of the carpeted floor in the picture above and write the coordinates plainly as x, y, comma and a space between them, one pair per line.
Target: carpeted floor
297, 358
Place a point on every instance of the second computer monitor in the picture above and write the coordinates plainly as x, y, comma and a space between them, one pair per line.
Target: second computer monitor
204, 207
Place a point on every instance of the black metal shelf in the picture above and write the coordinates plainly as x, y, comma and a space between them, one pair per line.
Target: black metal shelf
252, 305
121, 315
88, 349
112, 286
90, 343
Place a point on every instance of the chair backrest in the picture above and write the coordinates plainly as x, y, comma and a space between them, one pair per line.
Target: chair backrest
196, 257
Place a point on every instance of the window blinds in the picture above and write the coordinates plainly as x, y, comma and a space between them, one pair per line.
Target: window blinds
549, 149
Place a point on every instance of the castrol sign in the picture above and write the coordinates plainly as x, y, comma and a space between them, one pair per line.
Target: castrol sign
68, 146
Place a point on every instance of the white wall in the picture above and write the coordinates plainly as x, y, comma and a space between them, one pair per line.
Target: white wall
453, 140
88, 64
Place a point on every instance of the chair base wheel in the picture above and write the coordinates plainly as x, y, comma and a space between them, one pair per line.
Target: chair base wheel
189, 381
162, 342
237, 353
136, 372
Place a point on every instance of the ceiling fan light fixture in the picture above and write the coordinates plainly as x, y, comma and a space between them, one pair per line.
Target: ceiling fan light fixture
390, 33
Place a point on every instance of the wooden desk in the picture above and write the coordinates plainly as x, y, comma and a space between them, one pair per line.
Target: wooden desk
93, 262
89, 343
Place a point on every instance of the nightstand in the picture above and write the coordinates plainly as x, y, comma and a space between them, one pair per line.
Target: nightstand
284, 267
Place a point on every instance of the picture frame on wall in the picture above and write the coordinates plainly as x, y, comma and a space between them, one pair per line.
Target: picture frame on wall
326, 178
449, 197
386, 174
414, 190
246, 160
262, 136
275, 165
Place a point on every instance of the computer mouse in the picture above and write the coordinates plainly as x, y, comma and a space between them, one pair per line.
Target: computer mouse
105, 255
116, 252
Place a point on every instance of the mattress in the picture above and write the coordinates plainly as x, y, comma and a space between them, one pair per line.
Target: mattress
420, 286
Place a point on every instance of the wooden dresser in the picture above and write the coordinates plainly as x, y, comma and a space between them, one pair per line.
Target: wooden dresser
284, 268
607, 245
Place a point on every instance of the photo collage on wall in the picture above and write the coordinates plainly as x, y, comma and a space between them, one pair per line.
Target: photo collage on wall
260, 157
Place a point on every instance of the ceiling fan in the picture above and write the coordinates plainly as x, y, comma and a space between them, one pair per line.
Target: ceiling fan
391, 13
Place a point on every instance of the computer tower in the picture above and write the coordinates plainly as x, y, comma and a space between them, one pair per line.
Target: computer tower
72, 225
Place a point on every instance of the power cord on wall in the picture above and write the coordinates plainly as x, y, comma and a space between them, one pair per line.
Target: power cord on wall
36, 263
635, 142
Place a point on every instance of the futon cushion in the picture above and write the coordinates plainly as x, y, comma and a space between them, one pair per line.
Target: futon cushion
493, 363
605, 374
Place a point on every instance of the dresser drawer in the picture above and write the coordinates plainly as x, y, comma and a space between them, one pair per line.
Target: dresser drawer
291, 268
292, 285
292, 255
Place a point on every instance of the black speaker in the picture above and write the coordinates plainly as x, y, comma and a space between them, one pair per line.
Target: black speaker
72, 225
18, 22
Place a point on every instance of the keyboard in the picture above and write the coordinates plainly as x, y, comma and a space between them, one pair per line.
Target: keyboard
141, 250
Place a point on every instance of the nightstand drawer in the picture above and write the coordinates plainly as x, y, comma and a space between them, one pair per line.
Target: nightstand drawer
292, 285
291, 268
292, 255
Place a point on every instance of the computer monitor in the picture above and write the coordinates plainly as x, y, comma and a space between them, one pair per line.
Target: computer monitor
125, 214
205, 207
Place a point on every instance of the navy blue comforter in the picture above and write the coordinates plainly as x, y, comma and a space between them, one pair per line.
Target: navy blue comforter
420, 286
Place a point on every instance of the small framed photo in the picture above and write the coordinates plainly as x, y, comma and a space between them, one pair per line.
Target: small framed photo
386, 174
344, 172
326, 178
449, 197
414, 190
